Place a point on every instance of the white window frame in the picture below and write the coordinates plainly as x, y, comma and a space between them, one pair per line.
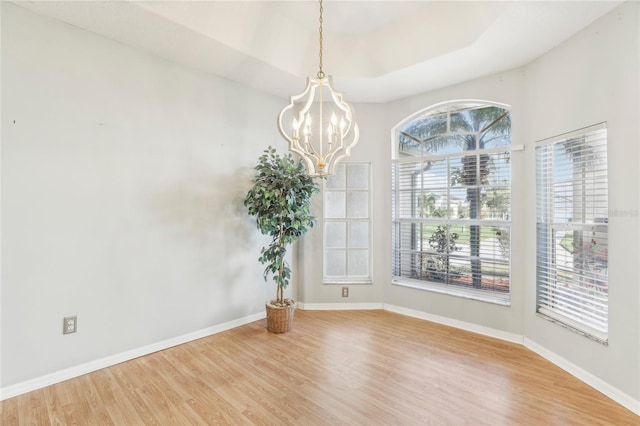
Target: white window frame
348, 278
568, 293
500, 298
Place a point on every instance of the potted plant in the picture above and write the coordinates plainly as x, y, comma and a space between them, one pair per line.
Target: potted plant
280, 199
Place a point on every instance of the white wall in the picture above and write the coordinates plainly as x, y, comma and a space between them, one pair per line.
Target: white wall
376, 122
122, 184
123, 174
591, 78
370, 148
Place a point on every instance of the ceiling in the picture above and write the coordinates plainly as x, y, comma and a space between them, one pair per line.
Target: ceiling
377, 51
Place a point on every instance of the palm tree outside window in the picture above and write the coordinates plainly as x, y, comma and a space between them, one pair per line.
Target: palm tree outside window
451, 199
572, 227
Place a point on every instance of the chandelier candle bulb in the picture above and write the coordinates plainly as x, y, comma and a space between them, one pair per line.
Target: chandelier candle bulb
321, 153
296, 129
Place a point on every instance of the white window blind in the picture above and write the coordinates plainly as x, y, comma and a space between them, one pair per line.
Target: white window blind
572, 230
347, 224
451, 201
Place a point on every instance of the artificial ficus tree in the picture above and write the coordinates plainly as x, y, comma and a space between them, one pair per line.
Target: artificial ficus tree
280, 199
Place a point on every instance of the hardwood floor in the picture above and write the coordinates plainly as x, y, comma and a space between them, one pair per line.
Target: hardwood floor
334, 368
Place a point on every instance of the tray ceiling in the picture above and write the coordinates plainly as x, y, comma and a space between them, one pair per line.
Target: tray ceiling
377, 51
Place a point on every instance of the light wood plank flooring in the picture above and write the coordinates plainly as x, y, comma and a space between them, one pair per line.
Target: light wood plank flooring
334, 368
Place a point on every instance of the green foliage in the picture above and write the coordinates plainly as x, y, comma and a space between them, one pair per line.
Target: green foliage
280, 199
504, 240
440, 243
496, 200
437, 267
428, 206
471, 127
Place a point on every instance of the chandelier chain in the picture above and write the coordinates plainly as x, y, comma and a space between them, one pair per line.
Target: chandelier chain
320, 72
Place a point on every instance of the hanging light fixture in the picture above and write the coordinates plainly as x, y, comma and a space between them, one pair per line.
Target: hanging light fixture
323, 128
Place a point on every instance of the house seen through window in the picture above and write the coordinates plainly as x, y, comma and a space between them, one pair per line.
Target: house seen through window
451, 198
572, 221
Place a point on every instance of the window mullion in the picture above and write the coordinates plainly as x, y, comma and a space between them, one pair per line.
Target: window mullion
438, 209
572, 260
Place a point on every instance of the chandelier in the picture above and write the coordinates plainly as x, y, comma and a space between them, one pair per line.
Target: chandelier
322, 125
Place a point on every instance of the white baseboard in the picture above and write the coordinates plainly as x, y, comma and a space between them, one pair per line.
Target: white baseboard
475, 328
339, 306
598, 384
498, 334
581, 374
70, 373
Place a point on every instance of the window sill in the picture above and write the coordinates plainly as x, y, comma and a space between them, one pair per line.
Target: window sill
565, 322
482, 296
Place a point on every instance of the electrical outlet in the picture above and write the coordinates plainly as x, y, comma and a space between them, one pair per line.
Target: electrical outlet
345, 291
69, 325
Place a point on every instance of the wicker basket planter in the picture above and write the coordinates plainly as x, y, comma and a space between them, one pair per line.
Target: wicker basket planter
280, 318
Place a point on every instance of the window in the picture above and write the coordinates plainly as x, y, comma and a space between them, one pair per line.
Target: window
451, 200
347, 224
572, 228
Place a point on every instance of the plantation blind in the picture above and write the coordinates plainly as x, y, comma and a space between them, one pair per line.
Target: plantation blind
451, 201
572, 230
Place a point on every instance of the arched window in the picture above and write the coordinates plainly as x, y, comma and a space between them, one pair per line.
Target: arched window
451, 200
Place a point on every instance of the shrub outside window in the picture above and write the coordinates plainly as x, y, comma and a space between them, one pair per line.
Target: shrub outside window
451, 198
572, 231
